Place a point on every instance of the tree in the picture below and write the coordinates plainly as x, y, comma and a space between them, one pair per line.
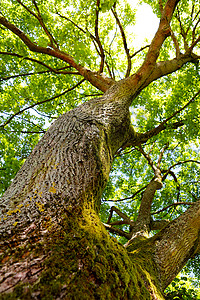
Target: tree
53, 244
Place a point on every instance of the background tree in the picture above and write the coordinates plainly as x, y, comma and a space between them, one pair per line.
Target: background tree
116, 106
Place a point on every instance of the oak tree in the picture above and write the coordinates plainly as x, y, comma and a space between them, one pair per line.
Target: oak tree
125, 131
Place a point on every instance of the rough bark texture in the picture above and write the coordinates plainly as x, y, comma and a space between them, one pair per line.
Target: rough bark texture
53, 245
50, 223
70, 165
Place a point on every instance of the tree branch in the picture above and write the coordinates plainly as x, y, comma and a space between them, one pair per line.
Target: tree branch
161, 154
36, 73
175, 179
121, 214
35, 125
164, 68
183, 33
117, 231
41, 102
183, 162
135, 83
27, 132
158, 224
162, 126
161, 6
39, 18
138, 51
128, 198
124, 42
98, 80
27, 58
194, 29
93, 38
176, 44
142, 224
173, 204
162, 33
97, 37
179, 240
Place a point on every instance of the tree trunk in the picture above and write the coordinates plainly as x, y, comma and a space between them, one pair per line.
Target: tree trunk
53, 245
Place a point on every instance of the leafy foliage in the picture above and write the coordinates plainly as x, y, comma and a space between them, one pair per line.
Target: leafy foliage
181, 288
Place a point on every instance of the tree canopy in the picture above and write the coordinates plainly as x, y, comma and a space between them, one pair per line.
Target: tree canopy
56, 55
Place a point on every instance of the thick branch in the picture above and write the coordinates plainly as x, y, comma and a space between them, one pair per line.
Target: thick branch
177, 242
158, 224
164, 68
162, 33
144, 215
99, 81
142, 224
135, 83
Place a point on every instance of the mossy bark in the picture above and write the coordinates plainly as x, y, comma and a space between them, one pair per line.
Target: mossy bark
53, 245
79, 260
51, 232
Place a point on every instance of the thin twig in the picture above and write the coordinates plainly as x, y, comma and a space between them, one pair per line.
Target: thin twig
183, 162
40, 20
175, 179
138, 51
160, 127
57, 71
161, 154
124, 42
176, 44
173, 204
128, 198
19, 117
50, 36
98, 38
41, 102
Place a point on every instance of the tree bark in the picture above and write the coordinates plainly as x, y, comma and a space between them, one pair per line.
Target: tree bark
53, 245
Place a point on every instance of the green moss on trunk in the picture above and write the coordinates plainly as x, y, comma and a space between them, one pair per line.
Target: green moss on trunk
84, 262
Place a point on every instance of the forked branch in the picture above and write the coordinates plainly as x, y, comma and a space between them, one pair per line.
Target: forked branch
100, 81
53, 42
